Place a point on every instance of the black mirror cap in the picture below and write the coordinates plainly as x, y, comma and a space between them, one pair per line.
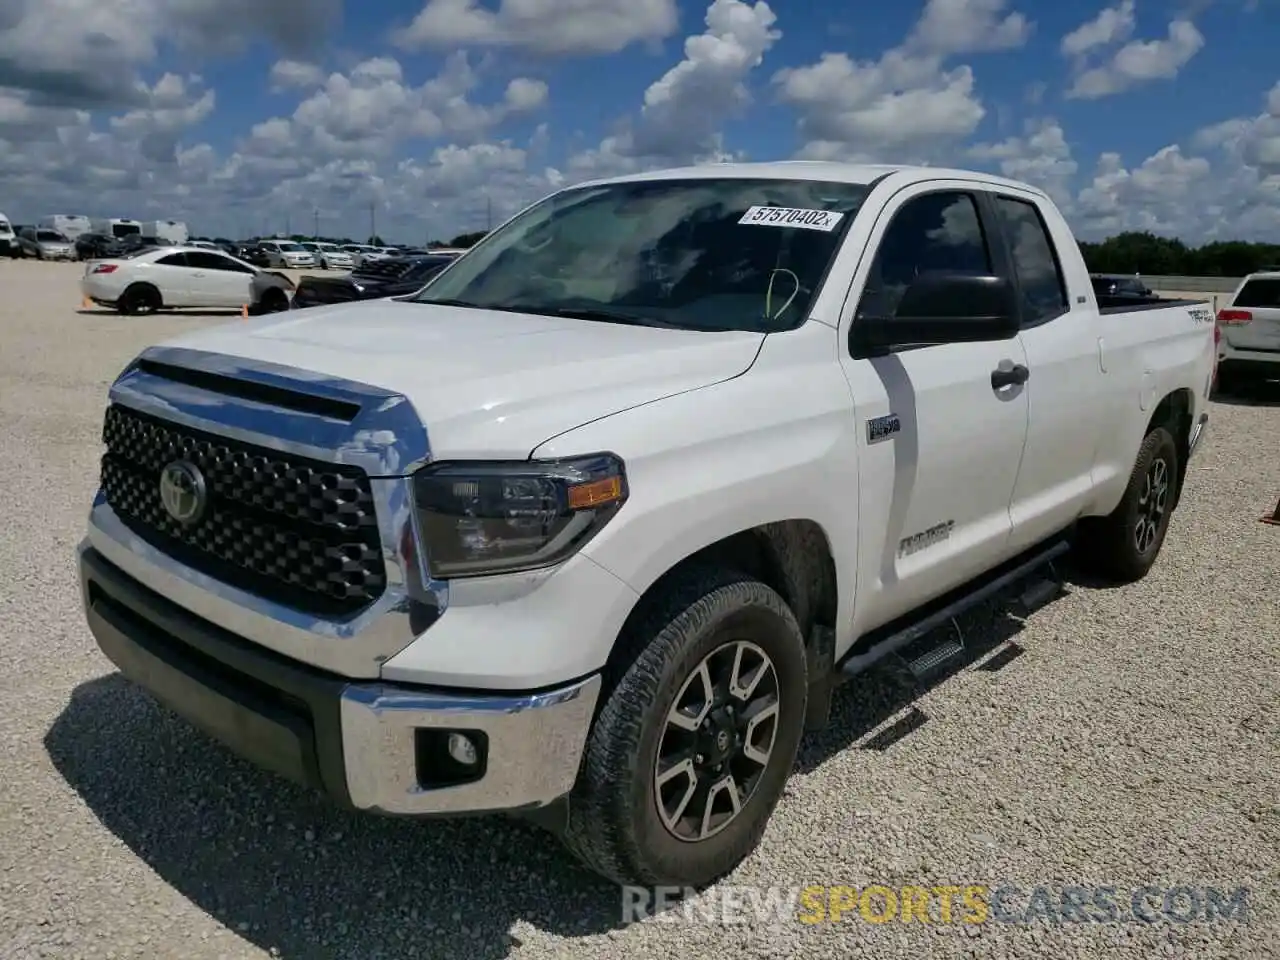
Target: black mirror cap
942, 308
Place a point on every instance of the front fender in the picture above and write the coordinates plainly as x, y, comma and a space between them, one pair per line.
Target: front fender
775, 444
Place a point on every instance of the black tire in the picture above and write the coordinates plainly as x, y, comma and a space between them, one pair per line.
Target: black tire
140, 300
273, 300
614, 824
1124, 545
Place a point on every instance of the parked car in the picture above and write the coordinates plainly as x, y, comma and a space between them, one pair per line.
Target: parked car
96, 246
329, 256
358, 252
1249, 344
44, 244
589, 529
251, 253
391, 277
286, 253
8, 239
166, 277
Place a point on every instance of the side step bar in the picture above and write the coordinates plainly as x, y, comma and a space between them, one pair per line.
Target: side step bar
895, 638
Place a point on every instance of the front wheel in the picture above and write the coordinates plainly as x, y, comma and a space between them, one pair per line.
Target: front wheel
1124, 545
696, 736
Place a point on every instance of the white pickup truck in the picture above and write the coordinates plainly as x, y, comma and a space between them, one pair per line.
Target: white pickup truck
588, 529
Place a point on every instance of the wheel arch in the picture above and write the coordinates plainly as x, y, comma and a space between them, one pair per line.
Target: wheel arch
1175, 413
793, 557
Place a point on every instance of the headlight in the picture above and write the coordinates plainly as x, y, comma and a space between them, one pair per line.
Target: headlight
486, 518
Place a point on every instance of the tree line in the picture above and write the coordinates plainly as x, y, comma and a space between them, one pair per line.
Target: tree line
1144, 252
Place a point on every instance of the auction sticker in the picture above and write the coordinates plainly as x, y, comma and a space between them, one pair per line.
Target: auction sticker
824, 220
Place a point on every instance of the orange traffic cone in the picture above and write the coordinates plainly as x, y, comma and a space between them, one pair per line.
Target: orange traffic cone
1274, 519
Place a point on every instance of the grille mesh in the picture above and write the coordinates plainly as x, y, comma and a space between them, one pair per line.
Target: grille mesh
295, 531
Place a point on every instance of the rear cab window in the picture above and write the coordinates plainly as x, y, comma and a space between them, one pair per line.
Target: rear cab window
1035, 260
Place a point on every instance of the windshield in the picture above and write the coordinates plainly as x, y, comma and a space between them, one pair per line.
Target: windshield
702, 254
50, 236
289, 248
125, 229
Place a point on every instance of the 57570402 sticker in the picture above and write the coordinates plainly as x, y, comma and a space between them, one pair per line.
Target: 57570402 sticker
824, 220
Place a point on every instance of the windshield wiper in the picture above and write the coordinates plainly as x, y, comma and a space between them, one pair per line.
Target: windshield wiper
606, 315
601, 314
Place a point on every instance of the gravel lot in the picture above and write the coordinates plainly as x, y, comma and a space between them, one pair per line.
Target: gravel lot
1135, 741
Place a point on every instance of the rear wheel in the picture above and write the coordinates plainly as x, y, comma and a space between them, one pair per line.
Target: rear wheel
695, 739
140, 300
1124, 545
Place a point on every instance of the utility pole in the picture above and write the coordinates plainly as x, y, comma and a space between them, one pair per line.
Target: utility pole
315, 235
373, 221
488, 201
288, 230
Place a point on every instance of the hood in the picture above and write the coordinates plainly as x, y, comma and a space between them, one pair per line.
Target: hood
488, 384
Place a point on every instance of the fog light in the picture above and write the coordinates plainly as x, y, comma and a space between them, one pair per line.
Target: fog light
463, 750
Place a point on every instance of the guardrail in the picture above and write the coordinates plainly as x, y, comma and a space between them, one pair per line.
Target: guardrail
1198, 284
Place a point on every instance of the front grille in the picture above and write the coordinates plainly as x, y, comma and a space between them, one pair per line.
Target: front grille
292, 530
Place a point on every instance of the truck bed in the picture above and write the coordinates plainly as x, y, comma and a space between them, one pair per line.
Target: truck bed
1109, 305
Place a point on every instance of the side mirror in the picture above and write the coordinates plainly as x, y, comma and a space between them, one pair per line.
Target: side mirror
941, 308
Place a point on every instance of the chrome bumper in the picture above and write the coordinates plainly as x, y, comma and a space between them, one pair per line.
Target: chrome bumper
368, 745
535, 743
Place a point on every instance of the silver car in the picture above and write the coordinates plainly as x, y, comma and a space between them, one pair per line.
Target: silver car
45, 245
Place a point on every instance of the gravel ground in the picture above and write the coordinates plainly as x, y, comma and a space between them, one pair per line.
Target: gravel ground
1135, 741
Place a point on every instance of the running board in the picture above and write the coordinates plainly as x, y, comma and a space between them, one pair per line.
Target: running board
894, 638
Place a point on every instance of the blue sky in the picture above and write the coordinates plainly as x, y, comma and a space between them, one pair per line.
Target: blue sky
1143, 114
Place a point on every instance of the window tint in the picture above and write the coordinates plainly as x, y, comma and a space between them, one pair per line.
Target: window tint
1259, 293
933, 233
172, 260
1044, 293
211, 261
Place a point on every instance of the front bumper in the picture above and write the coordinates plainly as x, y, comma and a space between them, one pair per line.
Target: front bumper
368, 745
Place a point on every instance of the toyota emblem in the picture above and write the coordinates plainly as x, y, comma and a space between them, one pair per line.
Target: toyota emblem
182, 491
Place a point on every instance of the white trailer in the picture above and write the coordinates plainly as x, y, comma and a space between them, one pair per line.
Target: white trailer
70, 225
170, 231
117, 227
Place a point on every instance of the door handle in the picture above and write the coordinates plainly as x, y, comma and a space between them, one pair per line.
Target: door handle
1014, 376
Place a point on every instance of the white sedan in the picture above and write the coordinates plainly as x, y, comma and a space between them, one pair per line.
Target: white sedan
160, 277
330, 256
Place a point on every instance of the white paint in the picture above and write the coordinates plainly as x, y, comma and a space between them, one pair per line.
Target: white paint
718, 439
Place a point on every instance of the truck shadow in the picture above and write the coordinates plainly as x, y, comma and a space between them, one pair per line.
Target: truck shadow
862, 708
283, 868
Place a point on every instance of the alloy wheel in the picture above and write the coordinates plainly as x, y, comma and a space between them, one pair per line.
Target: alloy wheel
717, 740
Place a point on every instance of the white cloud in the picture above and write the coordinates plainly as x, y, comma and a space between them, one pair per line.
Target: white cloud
684, 109
908, 104
950, 27
372, 109
1139, 62
1041, 156
544, 26
294, 74
1112, 25
87, 53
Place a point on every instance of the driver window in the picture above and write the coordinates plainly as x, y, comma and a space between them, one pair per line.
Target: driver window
933, 233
